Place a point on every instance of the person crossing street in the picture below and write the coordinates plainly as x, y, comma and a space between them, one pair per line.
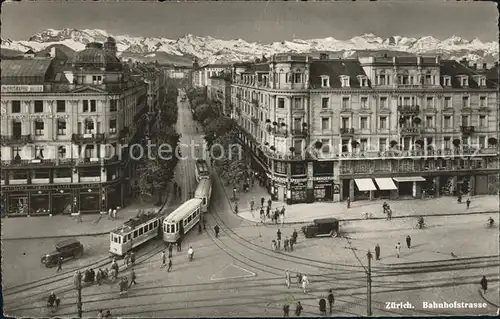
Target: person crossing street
132, 278
408, 241
169, 264
163, 259
170, 248
216, 230
287, 279
331, 300
59, 264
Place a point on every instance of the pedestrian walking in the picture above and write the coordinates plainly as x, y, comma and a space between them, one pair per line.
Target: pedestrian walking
262, 216
110, 214
132, 278
298, 309
234, 193
100, 315
322, 306
398, 249
169, 264
199, 228
170, 248
305, 282
282, 215
268, 212
286, 310
114, 214
179, 244
269, 203
331, 300
108, 314
59, 264
132, 258
468, 203
408, 241
278, 237
287, 279
204, 222
377, 252
484, 284
163, 259
216, 230
127, 259
294, 236
348, 202
252, 202
262, 200
285, 243
291, 244
299, 279
236, 208
273, 245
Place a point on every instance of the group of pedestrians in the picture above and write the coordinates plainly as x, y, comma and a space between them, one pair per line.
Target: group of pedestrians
323, 302
277, 216
101, 314
287, 243
397, 248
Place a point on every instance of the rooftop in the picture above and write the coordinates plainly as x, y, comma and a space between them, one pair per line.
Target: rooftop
334, 69
132, 223
24, 71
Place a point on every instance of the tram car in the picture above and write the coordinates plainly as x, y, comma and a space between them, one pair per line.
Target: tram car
204, 192
201, 171
133, 233
181, 220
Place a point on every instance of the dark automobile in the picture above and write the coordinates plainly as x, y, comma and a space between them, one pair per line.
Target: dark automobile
325, 227
70, 248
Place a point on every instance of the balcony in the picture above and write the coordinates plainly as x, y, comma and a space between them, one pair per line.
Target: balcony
484, 109
88, 138
346, 131
40, 180
16, 140
410, 131
62, 180
90, 179
467, 129
408, 109
255, 120
299, 132
35, 163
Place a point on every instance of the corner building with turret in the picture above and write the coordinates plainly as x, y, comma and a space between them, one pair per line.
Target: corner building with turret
322, 129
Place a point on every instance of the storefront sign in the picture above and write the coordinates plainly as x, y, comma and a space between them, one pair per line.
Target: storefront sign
43, 116
323, 178
336, 188
21, 88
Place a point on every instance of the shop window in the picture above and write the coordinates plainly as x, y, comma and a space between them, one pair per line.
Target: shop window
61, 106
61, 127
63, 173
113, 106
39, 128
16, 107
38, 106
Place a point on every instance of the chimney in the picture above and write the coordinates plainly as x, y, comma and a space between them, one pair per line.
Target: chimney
53, 52
485, 66
438, 60
419, 60
323, 56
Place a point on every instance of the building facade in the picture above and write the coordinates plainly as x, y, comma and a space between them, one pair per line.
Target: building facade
66, 125
384, 127
219, 92
201, 75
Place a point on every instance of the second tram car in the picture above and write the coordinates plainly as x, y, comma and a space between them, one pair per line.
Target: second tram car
201, 171
180, 221
133, 233
204, 192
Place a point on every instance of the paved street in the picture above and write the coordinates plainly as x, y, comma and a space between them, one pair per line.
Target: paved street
238, 274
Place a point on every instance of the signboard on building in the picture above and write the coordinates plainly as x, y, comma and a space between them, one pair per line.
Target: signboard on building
21, 88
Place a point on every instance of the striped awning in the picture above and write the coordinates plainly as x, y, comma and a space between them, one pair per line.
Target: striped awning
385, 184
365, 184
409, 179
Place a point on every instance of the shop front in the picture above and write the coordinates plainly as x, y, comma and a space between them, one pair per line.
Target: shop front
89, 200
17, 203
297, 191
62, 201
39, 202
323, 188
278, 187
409, 186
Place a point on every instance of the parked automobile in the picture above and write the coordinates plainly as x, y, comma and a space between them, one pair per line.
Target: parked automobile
67, 249
325, 227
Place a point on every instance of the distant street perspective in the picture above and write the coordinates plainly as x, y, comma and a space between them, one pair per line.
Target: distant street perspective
290, 181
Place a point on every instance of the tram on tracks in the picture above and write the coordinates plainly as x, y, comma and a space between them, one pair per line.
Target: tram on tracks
201, 171
204, 192
182, 220
133, 233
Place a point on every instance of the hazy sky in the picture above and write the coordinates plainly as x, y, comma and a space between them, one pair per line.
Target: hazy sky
257, 21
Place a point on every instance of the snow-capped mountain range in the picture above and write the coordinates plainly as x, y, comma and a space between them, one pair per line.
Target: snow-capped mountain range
211, 50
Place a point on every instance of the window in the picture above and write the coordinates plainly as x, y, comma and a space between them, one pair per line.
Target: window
381, 79
363, 143
61, 106
16, 107
140, 231
39, 126
482, 81
465, 101
298, 77
447, 102
383, 102
345, 81
135, 233
363, 123
325, 123
61, 127
364, 82
89, 127
297, 103
482, 141
446, 81
281, 103
428, 79
364, 102
92, 105
430, 102
38, 106
464, 81
61, 151
112, 126
326, 145
345, 122
96, 79
383, 122
447, 122
482, 121
482, 101
382, 144
85, 105
345, 102
324, 102
429, 121
113, 106
325, 82
465, 120
15, 152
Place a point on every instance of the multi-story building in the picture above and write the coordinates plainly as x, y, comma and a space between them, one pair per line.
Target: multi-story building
178, 72
65, 129
329, 129
201, 75
219, 92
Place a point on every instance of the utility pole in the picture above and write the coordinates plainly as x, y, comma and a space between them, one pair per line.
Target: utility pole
369, 285
78, 284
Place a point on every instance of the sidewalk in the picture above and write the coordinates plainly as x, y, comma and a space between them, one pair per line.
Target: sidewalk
302, 213
67, 226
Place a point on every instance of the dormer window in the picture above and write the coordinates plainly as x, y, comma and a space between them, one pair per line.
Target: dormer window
97, 79
446, 81
481, 80
345, 80
464, 80
325, 81
363, 81
381, 79
297, 78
